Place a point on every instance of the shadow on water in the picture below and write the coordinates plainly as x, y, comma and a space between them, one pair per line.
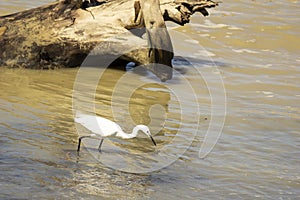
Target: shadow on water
180, 64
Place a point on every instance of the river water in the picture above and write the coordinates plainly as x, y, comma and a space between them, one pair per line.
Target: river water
243, 75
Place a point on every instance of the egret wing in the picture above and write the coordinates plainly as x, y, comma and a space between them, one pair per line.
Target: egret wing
97, 125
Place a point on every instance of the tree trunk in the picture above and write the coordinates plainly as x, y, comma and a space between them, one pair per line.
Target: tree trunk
63, 33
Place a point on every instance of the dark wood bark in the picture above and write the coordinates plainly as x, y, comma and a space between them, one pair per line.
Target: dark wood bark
63, 33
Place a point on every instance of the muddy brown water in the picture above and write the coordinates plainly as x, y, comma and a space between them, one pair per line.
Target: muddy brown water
252, 45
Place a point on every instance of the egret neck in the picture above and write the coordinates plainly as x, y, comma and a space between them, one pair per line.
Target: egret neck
124, 135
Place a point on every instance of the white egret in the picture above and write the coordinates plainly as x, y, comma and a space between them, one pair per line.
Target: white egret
102, 128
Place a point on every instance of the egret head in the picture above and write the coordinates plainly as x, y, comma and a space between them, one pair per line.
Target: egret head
146, 130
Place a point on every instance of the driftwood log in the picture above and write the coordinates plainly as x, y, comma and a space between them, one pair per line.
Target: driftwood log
63, 33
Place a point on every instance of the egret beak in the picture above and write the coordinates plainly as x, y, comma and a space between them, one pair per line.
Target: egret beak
152, 140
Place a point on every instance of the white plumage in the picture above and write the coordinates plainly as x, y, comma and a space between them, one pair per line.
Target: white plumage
101, 128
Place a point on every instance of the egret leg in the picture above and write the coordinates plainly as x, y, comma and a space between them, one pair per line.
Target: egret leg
93, 136
99, 148
79, 141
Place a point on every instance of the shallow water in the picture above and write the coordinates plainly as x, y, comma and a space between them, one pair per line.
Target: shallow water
253, 46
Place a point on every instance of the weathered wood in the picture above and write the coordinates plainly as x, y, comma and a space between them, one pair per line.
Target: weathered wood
63, 33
